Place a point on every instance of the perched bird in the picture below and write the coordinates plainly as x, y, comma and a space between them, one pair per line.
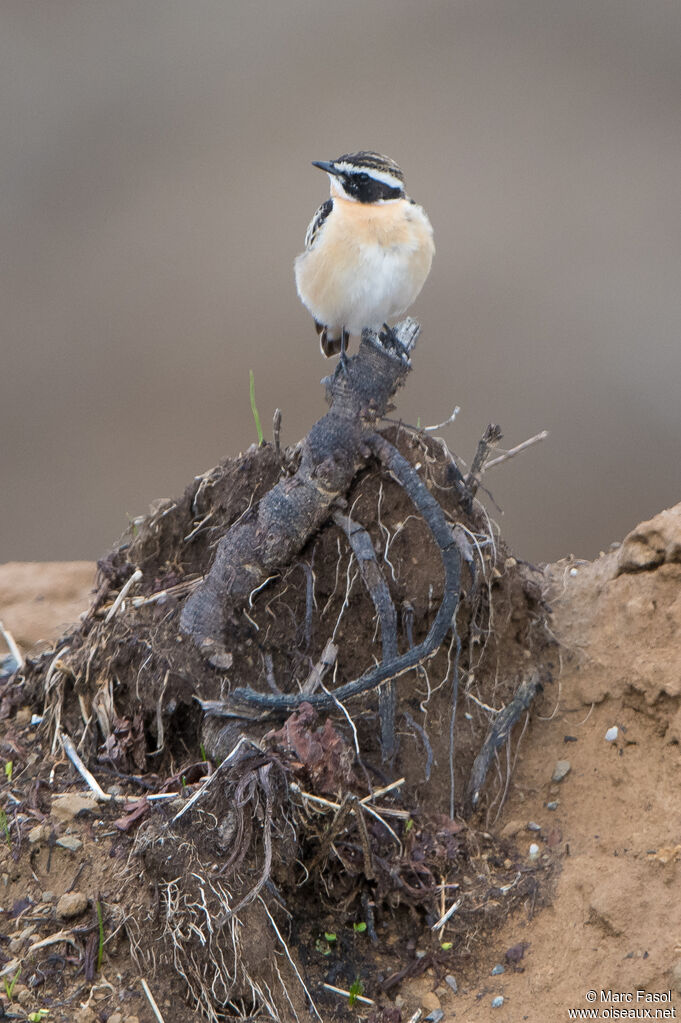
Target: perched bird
368, 250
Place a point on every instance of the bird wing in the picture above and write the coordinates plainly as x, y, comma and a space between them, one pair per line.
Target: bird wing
317, 222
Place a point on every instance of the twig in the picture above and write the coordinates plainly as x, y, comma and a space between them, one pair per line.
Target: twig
276, 429
489, 440
152, 1001
170, 591
450, 912
348, 994
326, 661
54, 939
440, 426
346, 713
211, 778
125, 589
377, 793
517, 449
388, 811
288, 956
499, 733
12, 646
88, 778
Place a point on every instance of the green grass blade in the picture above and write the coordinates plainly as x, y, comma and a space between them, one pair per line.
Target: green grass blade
254, 408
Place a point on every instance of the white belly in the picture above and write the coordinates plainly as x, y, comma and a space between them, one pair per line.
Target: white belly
350, 281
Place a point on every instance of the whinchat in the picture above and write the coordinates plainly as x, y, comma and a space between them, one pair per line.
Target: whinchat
368, 250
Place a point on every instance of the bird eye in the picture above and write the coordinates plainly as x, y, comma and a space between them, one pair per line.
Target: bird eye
363, 178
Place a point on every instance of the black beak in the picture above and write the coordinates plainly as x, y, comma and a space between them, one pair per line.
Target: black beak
325, 165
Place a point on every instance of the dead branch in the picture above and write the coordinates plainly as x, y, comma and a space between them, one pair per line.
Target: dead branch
486, 444
274, 531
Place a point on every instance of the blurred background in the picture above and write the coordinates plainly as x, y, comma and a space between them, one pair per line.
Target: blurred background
156, 186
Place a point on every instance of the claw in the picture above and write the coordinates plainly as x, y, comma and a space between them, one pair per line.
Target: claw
387, 336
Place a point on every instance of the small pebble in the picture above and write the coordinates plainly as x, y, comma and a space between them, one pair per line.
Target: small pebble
451, 981
496, 970
533, 826
516, 952
39, 833
8, 665
69, 842
497, 1002
533, 851
72, 904
561, 770
435, 1016
553, 805
612, 734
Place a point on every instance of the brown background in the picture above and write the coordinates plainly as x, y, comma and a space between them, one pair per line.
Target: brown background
156, 185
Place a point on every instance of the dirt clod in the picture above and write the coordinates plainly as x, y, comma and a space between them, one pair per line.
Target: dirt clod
72, 905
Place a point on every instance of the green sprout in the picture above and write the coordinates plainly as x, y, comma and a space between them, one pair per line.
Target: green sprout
10, 984
446, 945
4, 824
325, 944
202, 750
9, 767
36, 1017
100, 921
254, 407
359, 928
356, 989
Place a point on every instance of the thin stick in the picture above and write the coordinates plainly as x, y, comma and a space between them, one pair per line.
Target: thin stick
450, 912
389, 811
489, 440
377, 793
327, 660
276, 429
211, 778
518, 448
179, 588
54, 939
440, 426
152, 1002
125, 589
288, 956
348, 994
11, 646
88, 778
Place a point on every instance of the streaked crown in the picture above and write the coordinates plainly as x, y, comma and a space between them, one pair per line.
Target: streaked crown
366, 176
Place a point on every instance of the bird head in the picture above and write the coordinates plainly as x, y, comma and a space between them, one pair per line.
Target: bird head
364, 177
